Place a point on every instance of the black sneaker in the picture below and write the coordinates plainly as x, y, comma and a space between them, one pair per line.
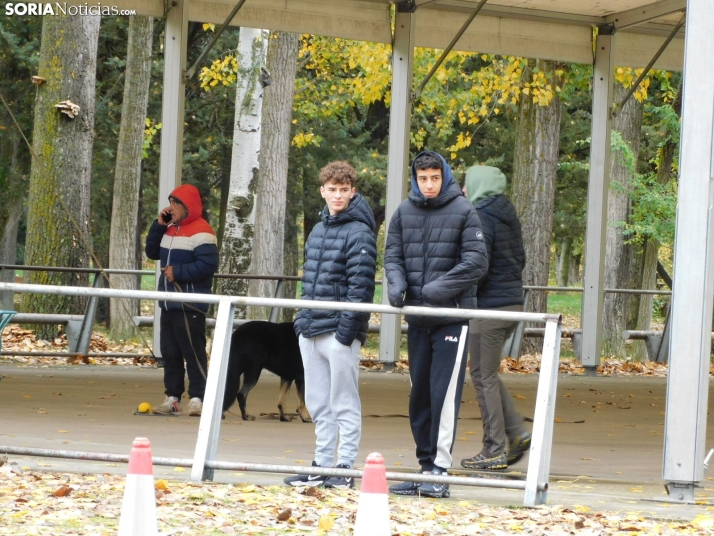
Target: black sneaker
435, 491
305, 480
405, 488
341, 482
518, 447
486, 463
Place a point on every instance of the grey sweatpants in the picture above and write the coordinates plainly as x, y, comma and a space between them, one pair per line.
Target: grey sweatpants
501, 421
332, 397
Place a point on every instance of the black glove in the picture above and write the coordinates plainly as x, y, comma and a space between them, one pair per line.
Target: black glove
396, 301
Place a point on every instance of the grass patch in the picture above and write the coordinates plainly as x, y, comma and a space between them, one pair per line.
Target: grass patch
565, 303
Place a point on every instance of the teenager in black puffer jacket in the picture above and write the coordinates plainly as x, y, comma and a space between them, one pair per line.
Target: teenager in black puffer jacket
505, 438
434, 256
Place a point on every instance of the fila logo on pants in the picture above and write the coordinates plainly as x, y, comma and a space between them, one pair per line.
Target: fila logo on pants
451, 338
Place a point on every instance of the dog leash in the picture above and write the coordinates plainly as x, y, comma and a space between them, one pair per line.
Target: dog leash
188, 331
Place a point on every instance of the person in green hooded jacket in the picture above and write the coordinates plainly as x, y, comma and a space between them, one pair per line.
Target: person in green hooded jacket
505, 438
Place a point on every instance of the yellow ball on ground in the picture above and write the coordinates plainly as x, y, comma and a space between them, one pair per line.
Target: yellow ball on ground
144, 407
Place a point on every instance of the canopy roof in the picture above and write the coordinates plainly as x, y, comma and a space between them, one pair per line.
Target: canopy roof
558, 30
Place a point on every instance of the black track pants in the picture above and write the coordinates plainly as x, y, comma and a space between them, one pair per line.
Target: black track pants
176, 347
437, 364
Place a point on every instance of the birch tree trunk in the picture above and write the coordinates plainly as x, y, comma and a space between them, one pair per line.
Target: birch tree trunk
127, 175
535, 166
237, 239
58, 205
617, 254
269, 238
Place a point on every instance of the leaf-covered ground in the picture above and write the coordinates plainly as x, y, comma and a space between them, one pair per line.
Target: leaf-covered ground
15, 338
47, 503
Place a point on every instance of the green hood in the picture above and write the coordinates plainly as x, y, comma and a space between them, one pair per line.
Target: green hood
484, 181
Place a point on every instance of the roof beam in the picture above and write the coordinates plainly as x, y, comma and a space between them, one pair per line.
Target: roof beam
639, 15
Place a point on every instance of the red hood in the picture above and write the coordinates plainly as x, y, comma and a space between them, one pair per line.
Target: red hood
191, 199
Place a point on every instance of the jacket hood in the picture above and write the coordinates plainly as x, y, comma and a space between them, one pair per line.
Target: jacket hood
358, 210
191, 199
447, 176
484, 181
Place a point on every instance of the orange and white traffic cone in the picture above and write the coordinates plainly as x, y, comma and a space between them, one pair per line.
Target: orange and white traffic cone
373, 505
138, 509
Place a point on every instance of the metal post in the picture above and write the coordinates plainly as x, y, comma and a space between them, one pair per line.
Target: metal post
400, 120
598, 184
693, 290
275, 311
81, 343
172, 116
544, 416
210, 426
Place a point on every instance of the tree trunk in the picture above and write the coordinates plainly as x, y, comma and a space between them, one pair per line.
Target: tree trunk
127, 176
617, 254
269, 238
292, 257
651, 253
58, 205
535, 166
237, 240
566, 249
574, 275
12, 175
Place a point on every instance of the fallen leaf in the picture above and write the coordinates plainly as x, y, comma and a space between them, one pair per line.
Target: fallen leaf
285, 514
326, 522
63, 491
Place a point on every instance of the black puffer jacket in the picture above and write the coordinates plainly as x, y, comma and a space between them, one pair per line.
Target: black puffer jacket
435, 252
503, 284
340, 261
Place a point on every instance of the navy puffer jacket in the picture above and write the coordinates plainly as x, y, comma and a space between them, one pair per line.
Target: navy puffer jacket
435, 252
340, 263
503, 284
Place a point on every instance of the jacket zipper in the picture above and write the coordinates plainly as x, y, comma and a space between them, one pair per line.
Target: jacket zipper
425, 249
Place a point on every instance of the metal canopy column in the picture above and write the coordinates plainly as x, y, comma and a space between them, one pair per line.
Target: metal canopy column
598, 184
400, 120
172, 116
690, 343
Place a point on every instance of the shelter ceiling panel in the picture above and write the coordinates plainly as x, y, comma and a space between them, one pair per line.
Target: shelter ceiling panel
496, 35
636, 50
584, 8
364, 20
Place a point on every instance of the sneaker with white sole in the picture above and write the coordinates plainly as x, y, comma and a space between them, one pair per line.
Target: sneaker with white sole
195, 405
171, 406
340, 482
406, 487
433, 490
305, 480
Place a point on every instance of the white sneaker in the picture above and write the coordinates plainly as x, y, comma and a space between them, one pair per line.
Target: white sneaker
194, 407
171, 406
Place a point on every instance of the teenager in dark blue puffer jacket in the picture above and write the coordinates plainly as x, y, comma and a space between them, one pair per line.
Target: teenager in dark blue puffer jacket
340, 262
185, 245
434, 256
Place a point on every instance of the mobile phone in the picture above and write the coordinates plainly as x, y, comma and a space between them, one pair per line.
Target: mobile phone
166, 218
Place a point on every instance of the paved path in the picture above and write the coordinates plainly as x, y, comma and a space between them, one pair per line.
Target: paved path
607, 445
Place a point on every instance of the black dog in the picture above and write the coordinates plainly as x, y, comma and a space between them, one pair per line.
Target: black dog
259, 345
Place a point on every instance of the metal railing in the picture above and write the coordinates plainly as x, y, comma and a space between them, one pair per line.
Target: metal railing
204, 459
